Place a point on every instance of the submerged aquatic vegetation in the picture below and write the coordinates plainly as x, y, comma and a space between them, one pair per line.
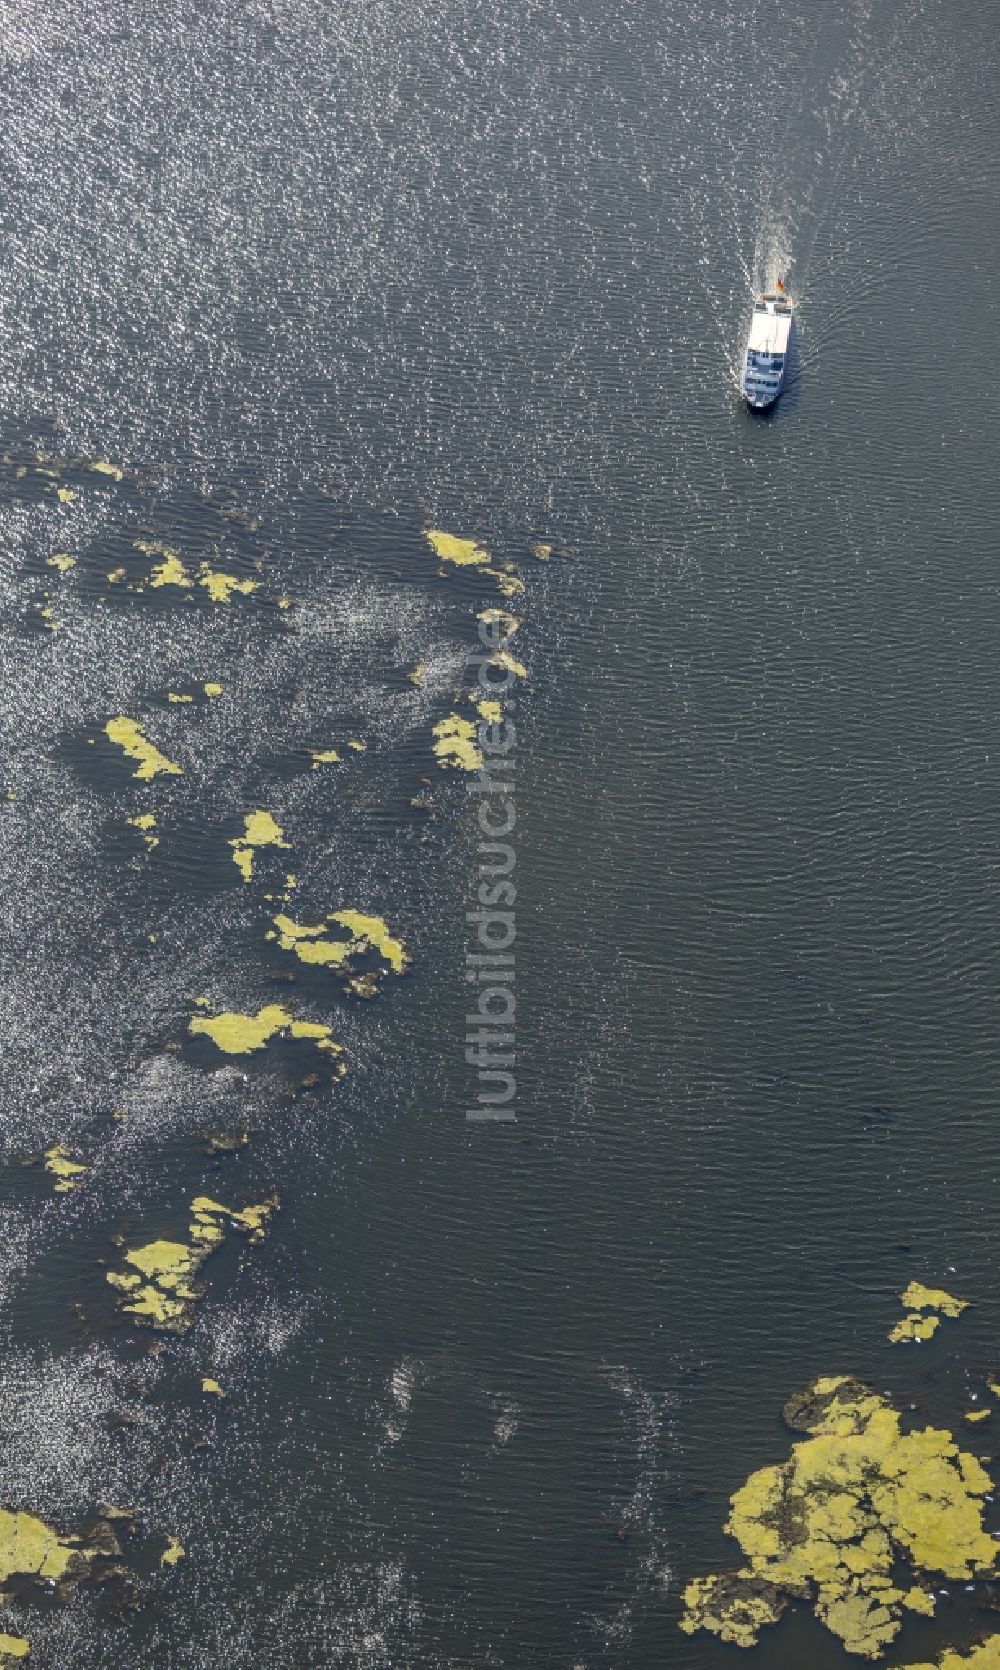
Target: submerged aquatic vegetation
159, 1287
31, 1548
259, 830
66, 1172
917, 1298
132, 739
833, 1523
237, 1034
455, 743
363, 933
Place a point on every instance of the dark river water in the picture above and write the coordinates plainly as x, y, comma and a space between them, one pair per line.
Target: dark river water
317, 276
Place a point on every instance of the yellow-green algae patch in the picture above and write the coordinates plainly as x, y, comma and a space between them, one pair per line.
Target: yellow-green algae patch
130, 736
237, 1034
834, 1523
13, 1647
455, 743
259, 830
222, 587
212, 689
506, 624
30, 1548
146, 822
173, 1552
178, 696
363, 933
159, 1287
464, 553
169, 571
917, 1298
974, 1416
323, 756
61, 560
66, 1171
211, 1386
100, 466
985, 1656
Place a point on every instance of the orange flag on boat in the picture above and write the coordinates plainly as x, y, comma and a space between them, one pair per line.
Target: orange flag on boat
780, 285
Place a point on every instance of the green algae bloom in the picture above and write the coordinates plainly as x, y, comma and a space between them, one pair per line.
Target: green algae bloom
834, 1523
212, 689
917, 1299
13, 1647
169, 571
222, 587
159, 1287
61, 560
464, 553
313, 945
505, 623
985, 1656
100, 466
455, 744
132, 739
323, 756
30, 1548
236, 1034
66, 1172
146, 822
259, 830
211, 1386
173, 1552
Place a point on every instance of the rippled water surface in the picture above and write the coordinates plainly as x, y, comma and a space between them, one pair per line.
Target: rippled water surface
315, 277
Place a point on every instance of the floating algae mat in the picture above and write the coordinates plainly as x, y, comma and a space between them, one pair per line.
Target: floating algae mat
259, 830
455, 743
33, 1551
925, 1307
159, 1287
836, 1524
986, 1656
359, 934
132, 739
66, 1171
237, 1034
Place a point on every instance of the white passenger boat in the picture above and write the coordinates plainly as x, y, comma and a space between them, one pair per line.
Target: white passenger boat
766, 360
